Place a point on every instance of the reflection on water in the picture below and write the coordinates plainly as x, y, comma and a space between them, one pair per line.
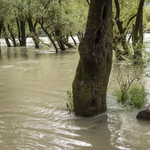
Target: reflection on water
0, 56
24, 53
8, 53
33, 87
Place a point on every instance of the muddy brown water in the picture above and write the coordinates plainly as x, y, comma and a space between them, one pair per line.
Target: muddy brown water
33, 115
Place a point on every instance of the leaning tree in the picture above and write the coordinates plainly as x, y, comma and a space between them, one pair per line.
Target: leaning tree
95, 49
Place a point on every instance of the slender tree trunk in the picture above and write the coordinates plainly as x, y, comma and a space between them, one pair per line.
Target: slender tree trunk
58, 36
12, 36
4, 33
80, 35
6, 36
141, 29
53, 42
51, 39
120, 28
23, 33
137, 33
124, 44
75, 43
7, 41
35, 38
68, 44
34, 34
18, 27
95, 49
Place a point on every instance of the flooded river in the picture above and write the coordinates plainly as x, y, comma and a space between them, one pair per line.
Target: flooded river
33, 115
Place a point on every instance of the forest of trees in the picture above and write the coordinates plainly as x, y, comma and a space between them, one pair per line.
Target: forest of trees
107, 28
60, 19
55, 19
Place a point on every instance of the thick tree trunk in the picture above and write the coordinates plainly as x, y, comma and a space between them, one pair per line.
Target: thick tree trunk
95, 49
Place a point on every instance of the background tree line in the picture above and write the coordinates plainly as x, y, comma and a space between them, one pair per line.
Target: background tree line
60, 19
56, 19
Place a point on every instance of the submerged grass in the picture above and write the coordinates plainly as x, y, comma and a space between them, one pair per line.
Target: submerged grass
135, 96
69, 103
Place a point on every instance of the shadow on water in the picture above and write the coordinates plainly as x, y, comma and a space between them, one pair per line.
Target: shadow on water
13, 52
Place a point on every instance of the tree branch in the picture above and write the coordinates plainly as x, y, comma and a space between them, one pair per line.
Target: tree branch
88, 1
47, 4
130, 20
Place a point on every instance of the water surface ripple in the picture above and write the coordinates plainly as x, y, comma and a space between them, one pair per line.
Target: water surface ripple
33, 115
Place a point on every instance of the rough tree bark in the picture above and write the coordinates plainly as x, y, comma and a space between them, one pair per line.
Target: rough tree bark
95, 49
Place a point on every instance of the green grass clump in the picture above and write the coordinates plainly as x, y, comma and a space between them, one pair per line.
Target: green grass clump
135, 96
69, 103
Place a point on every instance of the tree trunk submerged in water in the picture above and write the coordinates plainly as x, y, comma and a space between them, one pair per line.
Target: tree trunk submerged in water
95, 49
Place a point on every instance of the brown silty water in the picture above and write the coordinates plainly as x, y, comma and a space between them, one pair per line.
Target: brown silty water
33, 113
